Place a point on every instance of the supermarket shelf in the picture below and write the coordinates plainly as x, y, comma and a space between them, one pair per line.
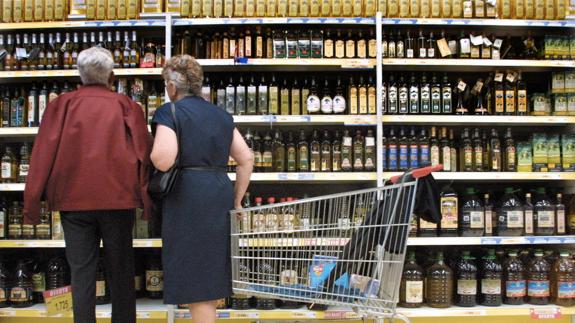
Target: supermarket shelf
549, 311
138, 243
10, 75
473, 120
83, 24
272, 21
294, 64
348, 120
503, 176
146, 309
481, 22
311, 177
474, 65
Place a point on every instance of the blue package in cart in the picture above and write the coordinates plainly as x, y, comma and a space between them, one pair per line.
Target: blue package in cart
320, 269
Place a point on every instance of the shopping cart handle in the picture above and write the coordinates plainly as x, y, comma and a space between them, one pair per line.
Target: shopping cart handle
418, 172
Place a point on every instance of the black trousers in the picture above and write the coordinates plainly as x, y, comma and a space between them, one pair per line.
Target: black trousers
82, 232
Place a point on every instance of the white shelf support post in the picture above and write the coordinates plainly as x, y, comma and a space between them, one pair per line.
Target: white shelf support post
168, 45
379, 98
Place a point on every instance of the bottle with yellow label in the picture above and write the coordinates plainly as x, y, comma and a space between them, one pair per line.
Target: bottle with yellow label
518, 9
90, 9
549, 9
185, 8
357, 8
260, 8
446, 9
303, 8
213, 9
282, 8
403, 8
271, 8
38, 10
392, 8
18, 11
314, 9
7, 11
560, 9
122, 10
132, 8
100, 9
425, 11
435, 8
28, 10
195, 8
325, 8
505, 9
239, 8
112, 9
49, 10
228, 8
414, 10
382, 7
336, 7
293, 8
480, 8
370, 8
539, 9
457, 9
529, 9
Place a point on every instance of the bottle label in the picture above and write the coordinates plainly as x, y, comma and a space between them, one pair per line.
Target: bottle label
259, 222
488, 222
272, 223
466, 287
338, 104
39, 282
499, 101
267, 158
313, 104
478, 153
517, 288
14, 231
538, 288
258, 159
327, 105
413, 156
522, 101
449, 212
468, 157
287, 222
6, 170
475, 219
545, 219
20, 295
514, 219
403, 153
288, 277
100, 288
424, 155
446, 159
427, 225
28, 230
344, 223
491, 286
561, 222
3, 295
23, 170
392, 157
154, 280
305, 223
528, 222
566, 289
414, 291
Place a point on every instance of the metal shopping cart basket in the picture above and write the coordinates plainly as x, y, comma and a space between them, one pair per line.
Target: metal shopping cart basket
343, 249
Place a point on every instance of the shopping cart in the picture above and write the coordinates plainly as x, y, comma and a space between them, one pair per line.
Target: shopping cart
343, 249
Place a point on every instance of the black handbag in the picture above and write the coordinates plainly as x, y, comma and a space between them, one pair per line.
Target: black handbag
162, 183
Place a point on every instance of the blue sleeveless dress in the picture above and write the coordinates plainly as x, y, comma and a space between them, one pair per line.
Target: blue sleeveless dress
196, 222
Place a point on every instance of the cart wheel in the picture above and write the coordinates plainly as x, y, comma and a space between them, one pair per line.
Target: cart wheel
400, 317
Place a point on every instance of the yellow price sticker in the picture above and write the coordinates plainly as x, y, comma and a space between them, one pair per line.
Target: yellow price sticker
58, 301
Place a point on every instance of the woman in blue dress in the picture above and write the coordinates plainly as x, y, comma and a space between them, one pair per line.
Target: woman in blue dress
196, 224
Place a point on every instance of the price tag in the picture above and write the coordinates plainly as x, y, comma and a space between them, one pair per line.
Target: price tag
356, 63
487, 42
498, 42
306, 314
59, 301
511, 76
477, 88
498, 77
461, 86
477, 40
21, 52
545, 313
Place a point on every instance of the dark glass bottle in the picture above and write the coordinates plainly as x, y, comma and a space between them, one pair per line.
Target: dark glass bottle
358, 152
267, 155
154, 276
471, 215
139, 277
39, 282
413, 149
491, 276
279, 153
56, 273
515, 283
315, 152
538, 282
102, 291
439, 286
466, 151
510, 155
477, 151
291, 153
325, 155
392, 151
466, 272
403, 150
412, 281
302, 153
369, 152
336, 152
424, 149
22, 287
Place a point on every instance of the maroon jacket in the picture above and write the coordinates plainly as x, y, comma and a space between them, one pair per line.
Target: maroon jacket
92, 152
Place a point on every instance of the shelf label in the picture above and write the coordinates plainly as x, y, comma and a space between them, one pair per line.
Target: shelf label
306, 314
223, 315
245, 315
7, 313
58, 301
356, 63
143, 315
545, 313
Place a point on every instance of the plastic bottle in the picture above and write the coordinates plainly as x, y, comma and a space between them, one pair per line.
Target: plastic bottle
4, 285
412, 281
510, 215
538, 284
39, 282
471, 215
563, 288
515, 283
155, 276
544, 214
22, 287
466, 295
491, 275
56, 273
439, 291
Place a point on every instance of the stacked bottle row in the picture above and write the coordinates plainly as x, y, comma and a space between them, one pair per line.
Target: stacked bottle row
536, 278
51, 51
292, 96
320, 151
12, 223
23, 281
24, 106
470, 214
476, 150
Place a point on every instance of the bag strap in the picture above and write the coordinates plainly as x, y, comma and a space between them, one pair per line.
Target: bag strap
177, 126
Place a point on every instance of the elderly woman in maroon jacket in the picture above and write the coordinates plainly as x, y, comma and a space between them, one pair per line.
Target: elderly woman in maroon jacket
90, 161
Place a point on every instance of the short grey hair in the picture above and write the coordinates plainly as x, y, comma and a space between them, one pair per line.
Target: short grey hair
186, 73
95, 65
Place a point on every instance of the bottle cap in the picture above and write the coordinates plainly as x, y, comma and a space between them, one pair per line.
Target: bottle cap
271, 200
258, 200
